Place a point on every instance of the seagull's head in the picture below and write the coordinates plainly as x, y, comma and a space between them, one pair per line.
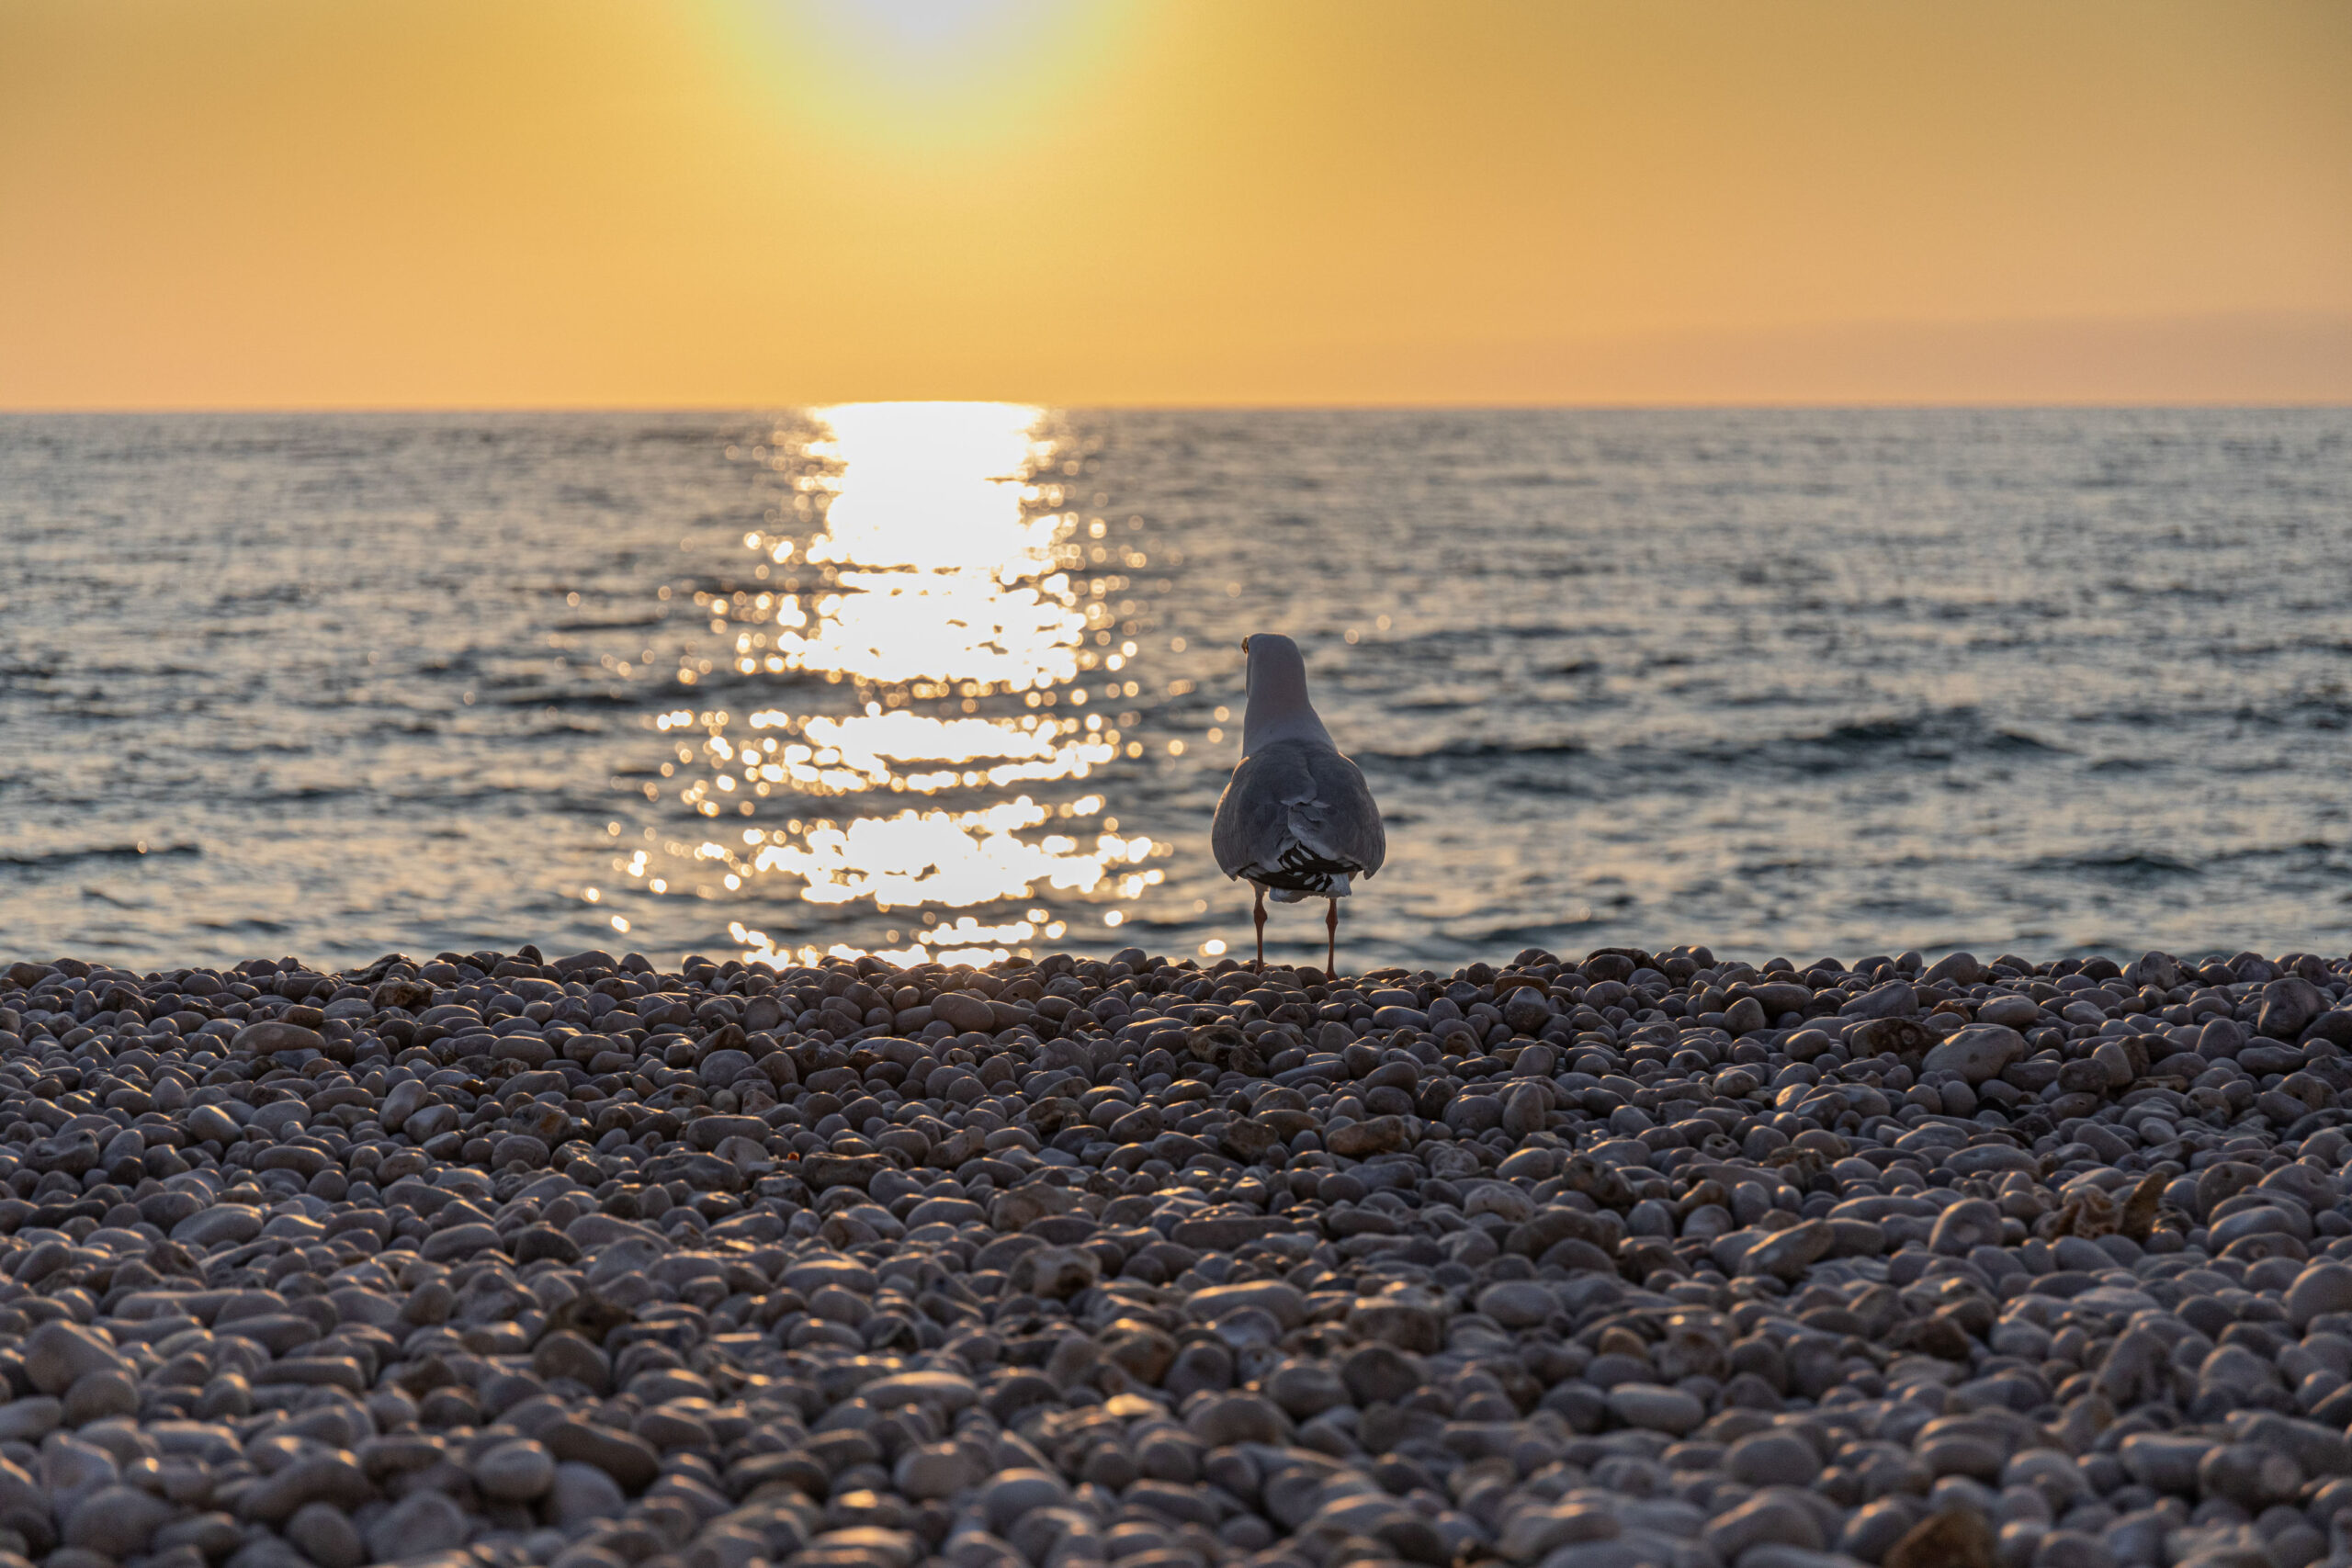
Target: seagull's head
1274, 687
1269, 659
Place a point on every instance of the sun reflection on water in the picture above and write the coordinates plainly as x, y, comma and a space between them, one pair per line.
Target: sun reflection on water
923, 612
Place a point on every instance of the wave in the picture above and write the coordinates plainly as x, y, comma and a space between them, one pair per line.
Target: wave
1934, 737
133, 850
2309, 848
572, 697
616, 624
298, 793
1475, 750
2136, 867
1965, 724
1530, 934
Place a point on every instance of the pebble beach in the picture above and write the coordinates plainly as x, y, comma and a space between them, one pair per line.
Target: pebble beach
1637, 1258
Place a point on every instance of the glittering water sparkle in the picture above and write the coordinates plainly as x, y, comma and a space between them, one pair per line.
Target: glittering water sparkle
945, 598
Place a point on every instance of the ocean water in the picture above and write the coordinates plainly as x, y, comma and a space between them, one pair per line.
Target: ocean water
966, 677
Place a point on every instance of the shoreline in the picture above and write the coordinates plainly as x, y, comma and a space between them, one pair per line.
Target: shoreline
873, 1265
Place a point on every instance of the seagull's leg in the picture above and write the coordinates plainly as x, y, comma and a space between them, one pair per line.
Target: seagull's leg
1332, 950
1259, 914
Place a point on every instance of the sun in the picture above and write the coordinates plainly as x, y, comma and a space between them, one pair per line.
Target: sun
931, 33
925, 47
933, 75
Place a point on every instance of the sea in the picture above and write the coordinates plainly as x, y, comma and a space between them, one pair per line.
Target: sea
956, 681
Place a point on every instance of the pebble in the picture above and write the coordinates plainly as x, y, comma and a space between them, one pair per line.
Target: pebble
419, 1525
938, 1470
1657, 1408
1770, 1519
1773, 1459
519, 1471
326, 1535
1640, 1257
580, 1495
60, 1353
117, 1522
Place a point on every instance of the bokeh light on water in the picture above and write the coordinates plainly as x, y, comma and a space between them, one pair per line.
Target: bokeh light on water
929, 657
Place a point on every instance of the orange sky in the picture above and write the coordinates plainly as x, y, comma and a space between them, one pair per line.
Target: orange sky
748, 202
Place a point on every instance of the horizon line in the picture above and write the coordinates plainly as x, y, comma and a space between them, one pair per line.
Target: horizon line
1794, 405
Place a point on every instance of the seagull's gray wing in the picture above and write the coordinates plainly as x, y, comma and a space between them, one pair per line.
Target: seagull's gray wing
1297, 804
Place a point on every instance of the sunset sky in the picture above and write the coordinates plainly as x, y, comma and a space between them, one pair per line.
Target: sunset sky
284, 203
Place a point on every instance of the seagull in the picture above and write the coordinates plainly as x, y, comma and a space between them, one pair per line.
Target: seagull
1298, 819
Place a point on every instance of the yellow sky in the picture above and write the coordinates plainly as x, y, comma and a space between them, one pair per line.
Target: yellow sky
748, 202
